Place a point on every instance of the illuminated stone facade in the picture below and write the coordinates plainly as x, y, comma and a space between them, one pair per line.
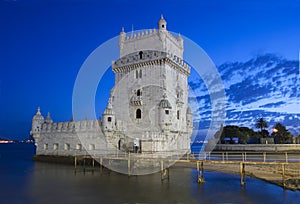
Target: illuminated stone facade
148, 110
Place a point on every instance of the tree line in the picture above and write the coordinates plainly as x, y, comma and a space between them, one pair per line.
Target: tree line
234, 134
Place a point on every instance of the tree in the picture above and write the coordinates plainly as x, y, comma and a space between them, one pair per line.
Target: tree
262, 124
249, 133
232, 131
281, 134
264, 133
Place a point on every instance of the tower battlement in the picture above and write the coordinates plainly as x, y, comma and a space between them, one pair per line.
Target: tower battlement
152, 39
71, 126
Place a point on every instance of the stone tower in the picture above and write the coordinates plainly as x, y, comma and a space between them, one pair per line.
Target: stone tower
150, 96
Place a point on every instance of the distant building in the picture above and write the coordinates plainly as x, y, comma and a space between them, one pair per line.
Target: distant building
268, 140
148, 108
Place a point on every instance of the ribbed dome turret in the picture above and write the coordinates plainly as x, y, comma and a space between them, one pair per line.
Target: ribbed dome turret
162, 24
164, 103
108, 110
48, 119
38, 115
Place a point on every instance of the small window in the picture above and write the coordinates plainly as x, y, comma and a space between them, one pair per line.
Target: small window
136, 74
138, 114
67, 146
141, 54
55, 146
178, 114
140, 73
167, 112
78, 146
163, 25
91, 147
138, 92
45, 146
109, 119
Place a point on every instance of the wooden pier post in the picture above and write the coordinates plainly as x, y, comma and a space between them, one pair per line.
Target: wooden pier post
161, 170
93, 163
200, 173
283, 175
101, 165
165, 172
75, 164
128, 164
84, 165
242, 173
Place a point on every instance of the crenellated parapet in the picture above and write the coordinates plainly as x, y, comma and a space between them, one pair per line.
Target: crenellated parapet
72, 126
149, 33
151, 39
136, 35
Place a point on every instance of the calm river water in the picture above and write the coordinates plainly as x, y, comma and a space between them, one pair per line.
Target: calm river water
24, 181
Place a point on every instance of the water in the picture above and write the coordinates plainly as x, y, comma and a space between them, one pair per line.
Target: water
24, 181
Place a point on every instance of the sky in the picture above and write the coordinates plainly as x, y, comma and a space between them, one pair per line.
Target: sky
43, 44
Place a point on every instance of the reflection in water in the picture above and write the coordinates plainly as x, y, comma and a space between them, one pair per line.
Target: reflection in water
57, 183
53, 183
26, 182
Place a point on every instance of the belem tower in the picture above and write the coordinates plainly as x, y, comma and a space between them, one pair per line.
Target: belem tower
147, 112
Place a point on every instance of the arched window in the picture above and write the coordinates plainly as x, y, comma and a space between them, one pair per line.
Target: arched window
140, 73
67, 146
178, 114
136, 74
138, 114
78, 146
138, 92
141, 54
45, 146
109, 119
55, 146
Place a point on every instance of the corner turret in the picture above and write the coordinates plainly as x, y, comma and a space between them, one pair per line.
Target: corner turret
48, 118
36, 127
108, 118
165, 113
189, 118
162, 23
122, 37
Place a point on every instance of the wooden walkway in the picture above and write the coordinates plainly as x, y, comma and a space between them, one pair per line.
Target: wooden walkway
242, 159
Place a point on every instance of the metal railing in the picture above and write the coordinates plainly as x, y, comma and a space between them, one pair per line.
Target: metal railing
249, 156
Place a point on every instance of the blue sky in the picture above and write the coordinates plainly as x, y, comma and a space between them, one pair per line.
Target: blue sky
44, 43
